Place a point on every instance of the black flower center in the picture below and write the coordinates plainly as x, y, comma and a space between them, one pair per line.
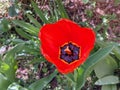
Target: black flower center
69, 52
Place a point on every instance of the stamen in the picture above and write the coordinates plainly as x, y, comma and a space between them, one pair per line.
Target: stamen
69, 52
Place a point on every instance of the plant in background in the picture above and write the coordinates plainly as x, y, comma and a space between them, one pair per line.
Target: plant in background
102, 66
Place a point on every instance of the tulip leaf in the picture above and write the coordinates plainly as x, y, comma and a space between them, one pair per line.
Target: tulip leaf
108, 80
39, 12
28, 27
116, 51
80, 78
40, 84
4, 82
88, 66
95, 58
108, 66
61, 9
70, 77
99, 55
109, 87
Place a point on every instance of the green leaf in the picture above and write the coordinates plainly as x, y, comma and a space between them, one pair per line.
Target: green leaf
95, 58
54, 15
109, 87
22, 33
28, 27
80, 78
117, 2
70, 77
4, 67
108, 80
116, 51
11, 54
4, 25
18, 41
89, 13
88, 66
40, 84
105, 67
99, 55
39, 12
15, 86
9, 59
85, 1
9, 70
98, 27
4, 82
12, 11
34, 21
1, 28
61, 9
37, 60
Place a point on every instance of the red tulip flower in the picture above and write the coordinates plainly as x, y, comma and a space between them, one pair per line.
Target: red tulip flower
66, 44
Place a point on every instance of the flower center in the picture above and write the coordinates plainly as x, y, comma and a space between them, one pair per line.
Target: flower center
69, 52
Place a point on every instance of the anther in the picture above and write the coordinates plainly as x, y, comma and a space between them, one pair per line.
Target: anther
68, 51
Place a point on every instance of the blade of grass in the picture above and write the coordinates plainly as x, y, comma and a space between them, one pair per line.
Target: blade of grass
22, 33
54, 11
28, 27
39, 12
61, 9
34, 21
